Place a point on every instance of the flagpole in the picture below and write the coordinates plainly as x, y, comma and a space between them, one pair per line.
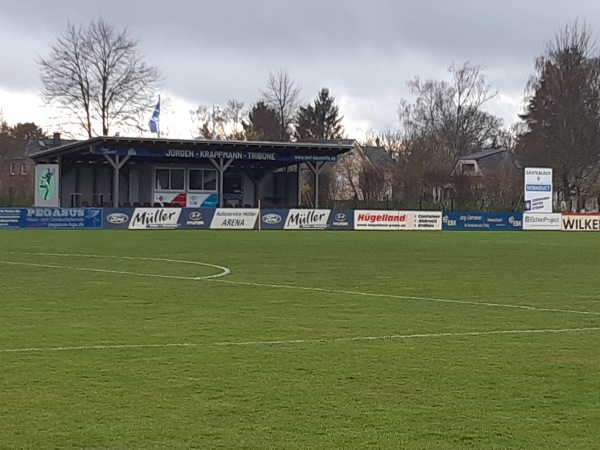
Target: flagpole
158, 122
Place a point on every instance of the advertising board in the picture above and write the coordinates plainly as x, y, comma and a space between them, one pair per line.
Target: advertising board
153, 218
397, 220
234, 218
482, 221
380, 220
11, 218
542, 221
273, 219
307, 219
538, 189
581, 222
341, 219
61, 218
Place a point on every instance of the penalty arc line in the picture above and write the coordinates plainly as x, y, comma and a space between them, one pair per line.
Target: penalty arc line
224, 270
297, 341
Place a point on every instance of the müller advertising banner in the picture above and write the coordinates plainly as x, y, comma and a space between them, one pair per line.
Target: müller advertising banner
581, 222
307, 219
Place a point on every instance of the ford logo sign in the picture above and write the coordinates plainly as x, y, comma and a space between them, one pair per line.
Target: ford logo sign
271, 218
340, 217
195, 215
117, 218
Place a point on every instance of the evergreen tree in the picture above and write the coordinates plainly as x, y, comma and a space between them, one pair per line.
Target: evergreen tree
263, 123
563, 113
320, 120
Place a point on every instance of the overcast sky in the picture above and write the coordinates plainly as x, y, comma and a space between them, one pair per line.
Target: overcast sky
364, 51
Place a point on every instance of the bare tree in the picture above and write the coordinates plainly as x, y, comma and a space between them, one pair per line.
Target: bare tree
97, 75
452, 111
283, 95
563, 112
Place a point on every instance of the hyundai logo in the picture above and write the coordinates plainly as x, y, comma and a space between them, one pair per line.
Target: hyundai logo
117, 218
271, 218
195, 215
340, 217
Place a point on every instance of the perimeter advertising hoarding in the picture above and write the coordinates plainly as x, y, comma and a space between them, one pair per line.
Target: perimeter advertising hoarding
541, 221
538, 189
11, 218
273, 219
307, 219
142, 218
581, 222
341, 219
478, 221
234, 218
397, 220
198, 218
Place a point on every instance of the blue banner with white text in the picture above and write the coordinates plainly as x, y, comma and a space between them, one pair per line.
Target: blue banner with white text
482, 221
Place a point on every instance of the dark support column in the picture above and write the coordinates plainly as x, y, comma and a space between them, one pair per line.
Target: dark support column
299, 181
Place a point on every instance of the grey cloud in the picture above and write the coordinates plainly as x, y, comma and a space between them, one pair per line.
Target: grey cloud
210, 51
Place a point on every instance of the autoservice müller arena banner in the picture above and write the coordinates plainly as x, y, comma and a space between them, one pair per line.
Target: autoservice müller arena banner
538, 190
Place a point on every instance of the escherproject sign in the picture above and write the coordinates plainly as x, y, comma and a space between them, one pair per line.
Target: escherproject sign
542, 221
538, 190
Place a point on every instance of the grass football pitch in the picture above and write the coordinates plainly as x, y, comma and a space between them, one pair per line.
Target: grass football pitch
295, 340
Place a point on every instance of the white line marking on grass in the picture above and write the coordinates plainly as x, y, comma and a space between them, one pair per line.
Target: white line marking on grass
224, 270
410, 297
296, 341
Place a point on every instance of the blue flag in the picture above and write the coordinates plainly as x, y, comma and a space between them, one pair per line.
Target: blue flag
154, 120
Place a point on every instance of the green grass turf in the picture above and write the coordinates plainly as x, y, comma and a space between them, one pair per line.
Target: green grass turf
166, 371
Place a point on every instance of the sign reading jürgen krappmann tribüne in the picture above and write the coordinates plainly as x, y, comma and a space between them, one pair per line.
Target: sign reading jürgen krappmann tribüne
538, 190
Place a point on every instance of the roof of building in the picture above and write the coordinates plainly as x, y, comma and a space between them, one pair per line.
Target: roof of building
14, 148
378, 156
493, 159
180, 150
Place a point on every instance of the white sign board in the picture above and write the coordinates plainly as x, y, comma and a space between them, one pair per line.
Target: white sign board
307, 219
542, 221
397, 220
151, 218
234, 218
46, 185
538, 190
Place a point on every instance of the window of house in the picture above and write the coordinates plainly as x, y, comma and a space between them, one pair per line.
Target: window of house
23, 168
468, 168
11, 168
169, 179
202, 180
